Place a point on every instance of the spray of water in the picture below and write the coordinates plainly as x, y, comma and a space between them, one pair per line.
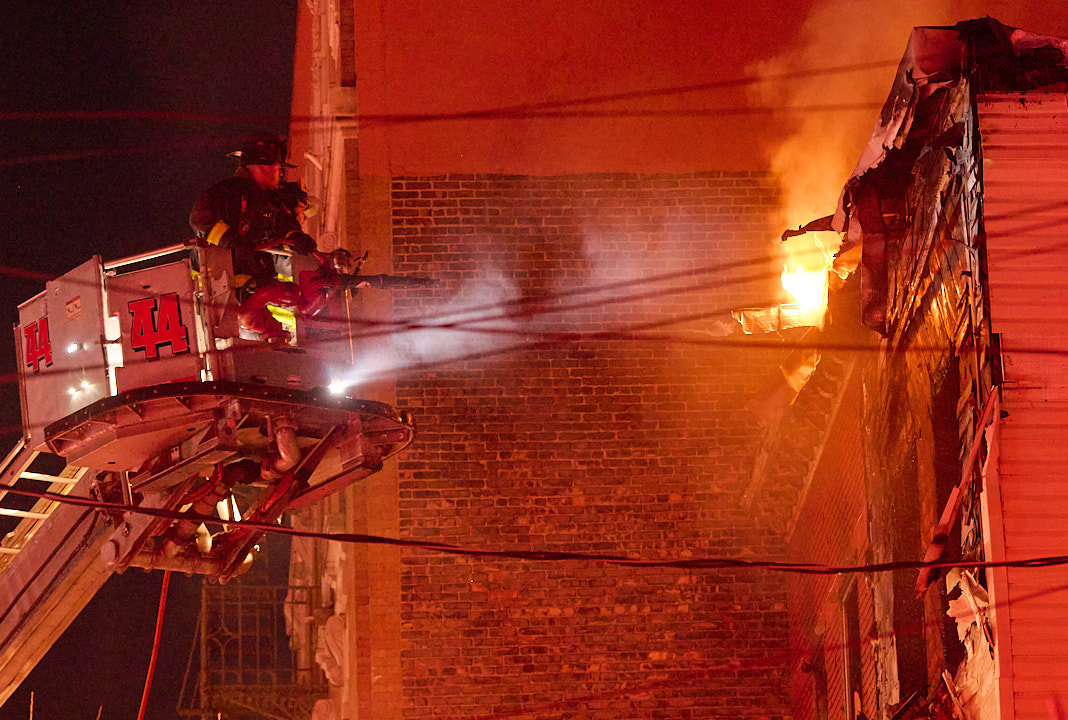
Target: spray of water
456, 330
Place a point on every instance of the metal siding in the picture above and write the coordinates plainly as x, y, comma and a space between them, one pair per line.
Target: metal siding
1025, 191
145, 362
73, 305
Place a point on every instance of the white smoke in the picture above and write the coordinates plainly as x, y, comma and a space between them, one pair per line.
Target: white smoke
624, 283
815, 161
475, 321
634, 278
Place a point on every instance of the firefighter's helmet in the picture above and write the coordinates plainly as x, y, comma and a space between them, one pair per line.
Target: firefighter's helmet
264, 148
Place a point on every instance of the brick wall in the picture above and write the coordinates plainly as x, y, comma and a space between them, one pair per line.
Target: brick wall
604, 444
832, 530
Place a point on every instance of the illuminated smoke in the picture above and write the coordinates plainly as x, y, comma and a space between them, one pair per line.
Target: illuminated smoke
621, 284
629, 282
815, 161
617, 268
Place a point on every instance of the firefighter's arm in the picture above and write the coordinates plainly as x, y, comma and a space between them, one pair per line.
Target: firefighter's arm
298, 241
205, 219
220, 234
301, 242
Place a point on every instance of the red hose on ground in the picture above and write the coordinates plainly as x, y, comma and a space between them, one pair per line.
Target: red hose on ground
155, 644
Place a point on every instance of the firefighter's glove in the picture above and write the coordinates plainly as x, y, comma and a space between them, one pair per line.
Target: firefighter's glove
322, 281
301, 242
316, 288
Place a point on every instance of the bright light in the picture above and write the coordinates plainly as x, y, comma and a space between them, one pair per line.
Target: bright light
807, 262
808, 288
84, 385
73, 348
336, 387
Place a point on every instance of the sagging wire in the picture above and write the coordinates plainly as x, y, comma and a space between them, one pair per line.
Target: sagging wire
707, 563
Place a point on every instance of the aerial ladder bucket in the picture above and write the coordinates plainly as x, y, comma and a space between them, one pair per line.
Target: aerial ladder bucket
171, 420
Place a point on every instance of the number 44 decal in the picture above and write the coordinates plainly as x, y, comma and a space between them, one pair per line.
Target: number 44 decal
38, 344
153, 327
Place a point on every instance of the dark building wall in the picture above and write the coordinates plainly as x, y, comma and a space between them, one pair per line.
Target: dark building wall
917, 411
892, 455
921, 399
828, 664
607, 444
915, 440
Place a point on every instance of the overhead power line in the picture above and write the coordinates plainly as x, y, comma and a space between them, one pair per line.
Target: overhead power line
396, 119
515, 109
699, 563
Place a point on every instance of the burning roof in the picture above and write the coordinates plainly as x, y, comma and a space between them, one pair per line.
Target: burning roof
971, 57
995, 57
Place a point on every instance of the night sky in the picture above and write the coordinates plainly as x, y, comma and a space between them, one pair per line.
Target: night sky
73, 186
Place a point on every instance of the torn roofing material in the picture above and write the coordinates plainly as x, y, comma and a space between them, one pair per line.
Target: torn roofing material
999, 57
972, 57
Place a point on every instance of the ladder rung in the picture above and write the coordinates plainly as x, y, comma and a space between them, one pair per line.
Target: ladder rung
23, 513
48, 478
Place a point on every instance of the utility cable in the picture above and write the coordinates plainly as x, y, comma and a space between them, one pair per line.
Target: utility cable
545, 110
473, 320
706, 563
527, 307
517, 110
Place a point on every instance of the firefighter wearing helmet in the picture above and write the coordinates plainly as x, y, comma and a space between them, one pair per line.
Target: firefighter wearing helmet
250, 212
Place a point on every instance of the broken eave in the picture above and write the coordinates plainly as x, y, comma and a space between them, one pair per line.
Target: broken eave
943, 67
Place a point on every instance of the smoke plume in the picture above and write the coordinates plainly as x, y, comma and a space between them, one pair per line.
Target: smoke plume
814, 162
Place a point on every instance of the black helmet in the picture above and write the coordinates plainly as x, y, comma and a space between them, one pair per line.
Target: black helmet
264, 148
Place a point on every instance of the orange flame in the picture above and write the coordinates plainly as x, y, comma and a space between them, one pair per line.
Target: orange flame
804, 275
808, 288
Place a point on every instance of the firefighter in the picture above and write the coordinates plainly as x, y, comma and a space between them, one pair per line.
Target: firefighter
250, 212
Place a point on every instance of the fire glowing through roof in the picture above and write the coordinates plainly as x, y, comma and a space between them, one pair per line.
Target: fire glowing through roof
804, 275
808, 288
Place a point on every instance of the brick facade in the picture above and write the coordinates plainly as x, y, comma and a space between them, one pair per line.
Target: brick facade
832, 530
606, 444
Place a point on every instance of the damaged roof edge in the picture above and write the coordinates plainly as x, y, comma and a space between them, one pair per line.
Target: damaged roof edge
936, 57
